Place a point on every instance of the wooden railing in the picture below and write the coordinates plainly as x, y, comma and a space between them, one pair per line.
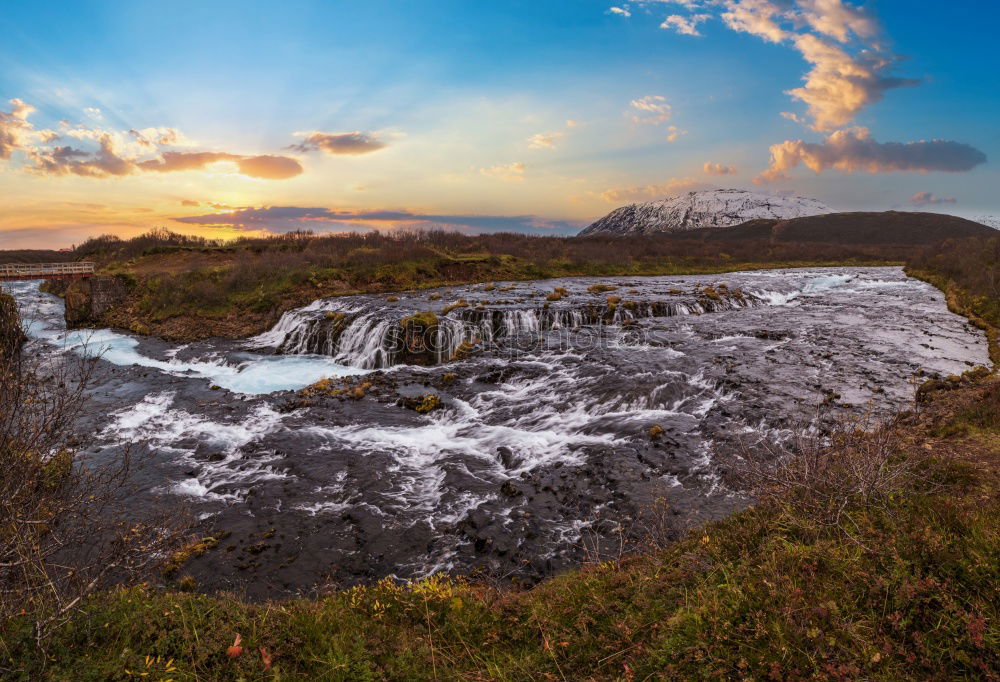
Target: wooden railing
16, 271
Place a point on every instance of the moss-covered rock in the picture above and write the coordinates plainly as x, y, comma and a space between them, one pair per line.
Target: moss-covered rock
423, 403
419, 340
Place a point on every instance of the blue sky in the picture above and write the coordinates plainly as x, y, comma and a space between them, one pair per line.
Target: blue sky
536, 116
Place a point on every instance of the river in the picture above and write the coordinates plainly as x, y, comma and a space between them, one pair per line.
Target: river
540, 454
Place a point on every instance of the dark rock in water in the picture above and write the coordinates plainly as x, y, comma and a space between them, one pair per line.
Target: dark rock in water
507, 457
497, 376
418, 342
509, 489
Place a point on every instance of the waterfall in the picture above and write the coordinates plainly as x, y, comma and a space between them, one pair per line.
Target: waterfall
375, 339
368, 342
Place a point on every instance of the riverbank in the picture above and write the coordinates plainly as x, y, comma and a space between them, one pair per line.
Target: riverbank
185, 289
903, 586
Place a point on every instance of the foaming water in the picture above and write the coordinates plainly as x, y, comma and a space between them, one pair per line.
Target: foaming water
242, 372
156, 422
545, 437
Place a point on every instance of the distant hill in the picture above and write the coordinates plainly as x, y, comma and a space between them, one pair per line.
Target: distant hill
696, 210
888, 227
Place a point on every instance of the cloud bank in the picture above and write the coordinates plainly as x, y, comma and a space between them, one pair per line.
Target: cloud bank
854, 150
100, 153
291, 218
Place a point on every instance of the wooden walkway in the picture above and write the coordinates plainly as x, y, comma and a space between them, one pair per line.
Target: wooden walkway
22, 271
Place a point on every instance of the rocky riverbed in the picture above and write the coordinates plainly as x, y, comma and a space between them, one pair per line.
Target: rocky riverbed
519, 429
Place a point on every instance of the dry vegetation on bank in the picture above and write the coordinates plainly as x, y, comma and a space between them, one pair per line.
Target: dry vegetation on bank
190, 287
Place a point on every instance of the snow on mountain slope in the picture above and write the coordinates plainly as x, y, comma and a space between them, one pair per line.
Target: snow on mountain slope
712, 208
989, 221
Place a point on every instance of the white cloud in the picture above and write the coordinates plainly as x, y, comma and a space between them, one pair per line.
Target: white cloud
835, 19
620, 11
687, 26
544, 140
761, 18
510, 172
651, 109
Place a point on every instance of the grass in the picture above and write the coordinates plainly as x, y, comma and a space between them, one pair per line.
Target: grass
768, 593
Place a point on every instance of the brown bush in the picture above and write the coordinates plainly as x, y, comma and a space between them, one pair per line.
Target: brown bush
64, 531
825, 479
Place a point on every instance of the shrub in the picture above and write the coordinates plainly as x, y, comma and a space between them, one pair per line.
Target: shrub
64, 530
826, 479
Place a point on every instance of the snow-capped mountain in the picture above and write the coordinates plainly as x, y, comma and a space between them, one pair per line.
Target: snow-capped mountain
711, 208
989, 221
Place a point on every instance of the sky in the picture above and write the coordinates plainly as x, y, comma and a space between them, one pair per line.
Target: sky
241, 117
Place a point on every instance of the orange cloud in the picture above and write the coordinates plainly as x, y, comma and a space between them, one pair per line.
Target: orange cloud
14, 127
650, 192
269, 167
264, 167
719, 169
120, 153
850, 65
182, 161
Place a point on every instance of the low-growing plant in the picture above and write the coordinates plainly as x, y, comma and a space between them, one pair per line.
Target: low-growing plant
461, 303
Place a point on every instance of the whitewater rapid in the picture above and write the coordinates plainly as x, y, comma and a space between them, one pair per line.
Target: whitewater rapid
541, 452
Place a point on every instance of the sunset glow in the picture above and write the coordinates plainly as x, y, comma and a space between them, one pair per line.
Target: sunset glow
225, 118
